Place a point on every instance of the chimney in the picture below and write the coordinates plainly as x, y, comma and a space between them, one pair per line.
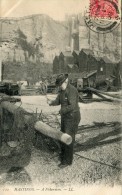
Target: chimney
72, 30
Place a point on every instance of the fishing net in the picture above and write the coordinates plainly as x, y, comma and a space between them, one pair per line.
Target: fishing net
17, 128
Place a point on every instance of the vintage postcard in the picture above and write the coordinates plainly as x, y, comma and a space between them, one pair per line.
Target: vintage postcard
60, 97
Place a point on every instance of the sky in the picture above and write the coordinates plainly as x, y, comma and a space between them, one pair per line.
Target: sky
57, 9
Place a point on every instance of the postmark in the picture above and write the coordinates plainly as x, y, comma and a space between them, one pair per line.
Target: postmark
103, 16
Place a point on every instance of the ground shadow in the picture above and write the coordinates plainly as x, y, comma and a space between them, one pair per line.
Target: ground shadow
99, 139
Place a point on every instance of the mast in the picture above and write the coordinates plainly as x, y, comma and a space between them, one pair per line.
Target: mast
0, 63
0, 51
0, 66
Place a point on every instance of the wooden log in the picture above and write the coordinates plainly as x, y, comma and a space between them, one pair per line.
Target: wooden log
105, 93
103, 97
49, 131
39, 125
99, 95
4, 97
11, 107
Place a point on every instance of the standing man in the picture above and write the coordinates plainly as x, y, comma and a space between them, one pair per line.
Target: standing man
70, 115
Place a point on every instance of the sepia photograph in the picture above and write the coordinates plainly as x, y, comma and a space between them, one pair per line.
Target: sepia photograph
60, 97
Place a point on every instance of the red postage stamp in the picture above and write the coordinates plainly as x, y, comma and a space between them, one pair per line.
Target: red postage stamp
103, 16
104, 9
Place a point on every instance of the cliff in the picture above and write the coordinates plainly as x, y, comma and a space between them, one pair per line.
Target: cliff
34, 38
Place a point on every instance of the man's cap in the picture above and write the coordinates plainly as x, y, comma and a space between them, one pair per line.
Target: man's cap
60, 79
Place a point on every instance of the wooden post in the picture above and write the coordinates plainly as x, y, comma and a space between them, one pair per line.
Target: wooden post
1, 58
0, 70
1, 125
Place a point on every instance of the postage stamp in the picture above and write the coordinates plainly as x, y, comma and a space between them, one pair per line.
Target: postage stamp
104, 9
103, 16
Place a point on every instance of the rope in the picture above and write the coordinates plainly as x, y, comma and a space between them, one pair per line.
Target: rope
86, 158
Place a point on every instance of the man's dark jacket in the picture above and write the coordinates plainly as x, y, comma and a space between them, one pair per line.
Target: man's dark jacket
70, 118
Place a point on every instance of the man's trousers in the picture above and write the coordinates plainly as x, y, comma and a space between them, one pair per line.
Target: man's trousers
69, 125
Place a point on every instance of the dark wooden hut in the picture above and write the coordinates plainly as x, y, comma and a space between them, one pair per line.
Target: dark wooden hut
117, 73
109, 66
72, 68
76, 57
83, 59
65, 58
92, 63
